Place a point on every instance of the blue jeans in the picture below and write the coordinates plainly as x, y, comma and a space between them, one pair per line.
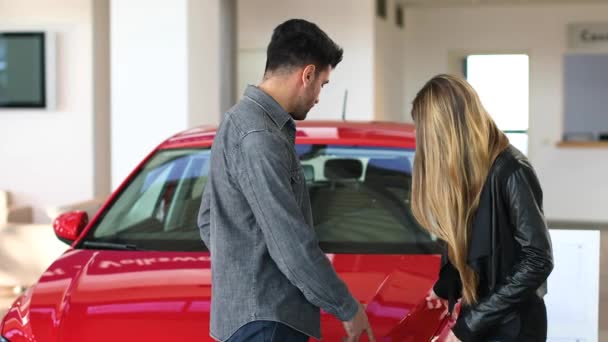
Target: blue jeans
267, 331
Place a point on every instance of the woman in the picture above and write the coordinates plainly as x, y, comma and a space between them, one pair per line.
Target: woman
480, 196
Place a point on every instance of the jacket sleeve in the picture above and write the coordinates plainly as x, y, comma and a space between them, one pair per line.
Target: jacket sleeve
523, 197
448, 285
265, 179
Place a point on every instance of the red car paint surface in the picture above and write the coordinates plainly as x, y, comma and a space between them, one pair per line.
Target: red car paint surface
104, 295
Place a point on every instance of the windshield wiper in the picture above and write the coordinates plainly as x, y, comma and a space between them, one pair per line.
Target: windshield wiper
110, 245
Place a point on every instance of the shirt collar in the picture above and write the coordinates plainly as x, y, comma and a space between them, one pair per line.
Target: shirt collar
269, 105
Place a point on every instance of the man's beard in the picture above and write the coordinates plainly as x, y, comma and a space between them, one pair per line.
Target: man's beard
301, 111
299, 115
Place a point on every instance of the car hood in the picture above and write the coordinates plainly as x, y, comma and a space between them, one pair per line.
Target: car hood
89, 295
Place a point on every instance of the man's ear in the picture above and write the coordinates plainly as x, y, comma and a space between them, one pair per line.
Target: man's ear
308, 75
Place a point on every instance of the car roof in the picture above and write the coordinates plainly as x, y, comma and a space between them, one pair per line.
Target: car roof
381, 134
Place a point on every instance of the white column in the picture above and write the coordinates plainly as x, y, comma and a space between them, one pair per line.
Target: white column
101, 99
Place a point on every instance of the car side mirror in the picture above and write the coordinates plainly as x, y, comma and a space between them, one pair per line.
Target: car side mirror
68, 226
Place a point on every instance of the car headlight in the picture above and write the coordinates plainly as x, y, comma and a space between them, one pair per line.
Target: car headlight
2, 339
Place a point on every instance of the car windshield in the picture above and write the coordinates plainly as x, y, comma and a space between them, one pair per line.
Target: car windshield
360, 199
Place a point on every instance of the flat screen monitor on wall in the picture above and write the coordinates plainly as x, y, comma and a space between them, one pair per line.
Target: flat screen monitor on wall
22, 70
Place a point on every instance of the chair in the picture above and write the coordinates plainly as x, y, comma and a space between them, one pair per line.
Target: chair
11, 213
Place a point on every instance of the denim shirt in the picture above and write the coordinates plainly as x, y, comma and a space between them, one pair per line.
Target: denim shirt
256, 220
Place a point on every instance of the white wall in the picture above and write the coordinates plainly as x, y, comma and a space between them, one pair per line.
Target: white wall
149, 78
389, 63
574, 180
46, 156
349, 23
165, 73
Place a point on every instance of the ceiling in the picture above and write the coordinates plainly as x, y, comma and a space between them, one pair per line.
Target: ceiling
450, 3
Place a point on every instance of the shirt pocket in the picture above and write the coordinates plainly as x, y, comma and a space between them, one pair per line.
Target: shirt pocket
297, 183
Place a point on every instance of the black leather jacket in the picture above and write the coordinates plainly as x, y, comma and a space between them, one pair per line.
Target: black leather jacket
510, 250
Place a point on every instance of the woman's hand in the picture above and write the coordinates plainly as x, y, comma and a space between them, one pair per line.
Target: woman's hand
435, 302
450, 338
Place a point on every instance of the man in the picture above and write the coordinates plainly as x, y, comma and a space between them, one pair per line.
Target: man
269, 275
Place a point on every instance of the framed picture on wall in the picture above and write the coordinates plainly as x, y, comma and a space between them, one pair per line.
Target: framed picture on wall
23, 74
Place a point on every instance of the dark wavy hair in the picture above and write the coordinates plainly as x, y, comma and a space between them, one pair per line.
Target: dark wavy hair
296, 43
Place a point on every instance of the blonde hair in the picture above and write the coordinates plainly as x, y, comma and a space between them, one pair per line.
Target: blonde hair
456, 144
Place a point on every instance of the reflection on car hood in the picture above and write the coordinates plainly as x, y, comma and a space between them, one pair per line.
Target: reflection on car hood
95, 296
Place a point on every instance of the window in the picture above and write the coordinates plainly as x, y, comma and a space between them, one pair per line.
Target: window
159, 207
502, 84
360, 199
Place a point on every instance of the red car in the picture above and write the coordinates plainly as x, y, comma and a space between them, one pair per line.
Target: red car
138, 270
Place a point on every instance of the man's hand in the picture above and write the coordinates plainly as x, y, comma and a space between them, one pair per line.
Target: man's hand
355, 327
